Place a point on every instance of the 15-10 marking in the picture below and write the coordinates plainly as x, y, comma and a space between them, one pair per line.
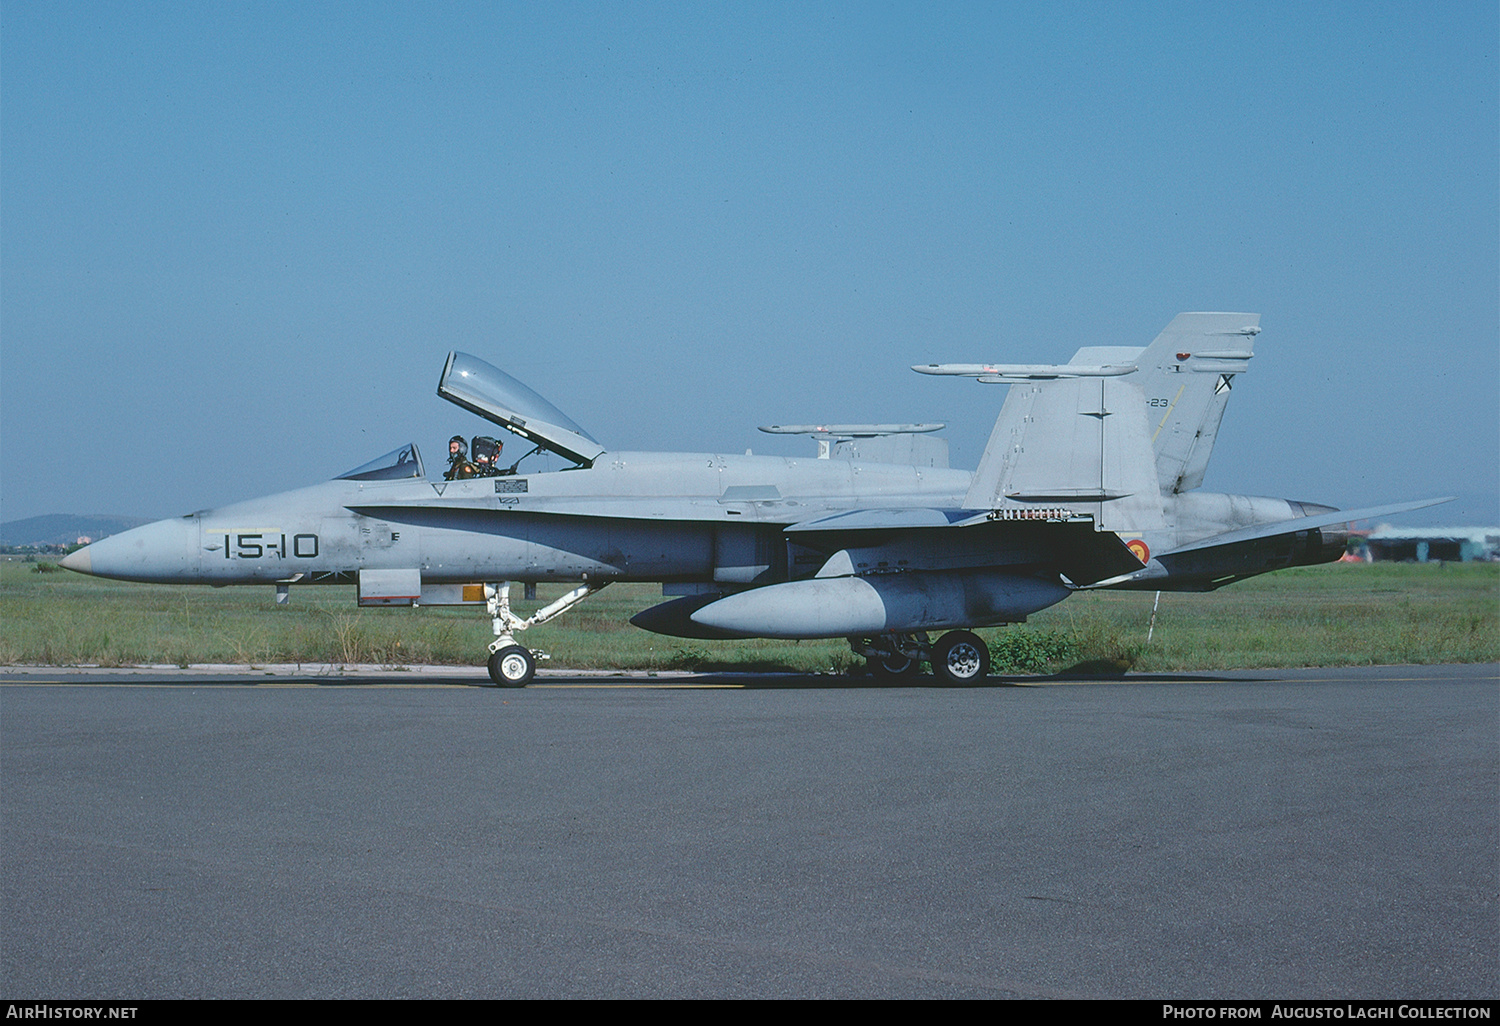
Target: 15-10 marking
261, 544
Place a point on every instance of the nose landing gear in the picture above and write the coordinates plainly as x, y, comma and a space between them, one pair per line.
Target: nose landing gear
512, 665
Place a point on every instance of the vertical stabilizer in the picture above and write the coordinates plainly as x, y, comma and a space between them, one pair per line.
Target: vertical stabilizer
1115, 429
1077, 442
1187, 375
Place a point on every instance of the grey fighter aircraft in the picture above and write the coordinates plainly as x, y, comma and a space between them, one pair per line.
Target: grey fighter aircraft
1089, 480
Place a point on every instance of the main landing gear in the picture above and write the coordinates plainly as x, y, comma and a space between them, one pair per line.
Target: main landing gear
958, 657
512, 665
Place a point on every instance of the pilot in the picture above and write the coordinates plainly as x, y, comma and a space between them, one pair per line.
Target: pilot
486, 452
459, 466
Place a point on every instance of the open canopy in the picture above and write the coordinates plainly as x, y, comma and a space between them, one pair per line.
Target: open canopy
488, 391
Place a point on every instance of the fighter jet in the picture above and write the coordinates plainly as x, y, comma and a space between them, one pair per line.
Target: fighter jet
1090, 480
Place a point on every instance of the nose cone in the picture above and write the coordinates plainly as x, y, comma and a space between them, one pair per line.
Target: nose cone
80, 560
166, 551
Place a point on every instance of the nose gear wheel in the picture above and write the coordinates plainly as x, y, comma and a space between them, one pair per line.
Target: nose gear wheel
512, 667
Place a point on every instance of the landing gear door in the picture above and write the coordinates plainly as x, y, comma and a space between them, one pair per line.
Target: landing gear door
390, 587
469, 382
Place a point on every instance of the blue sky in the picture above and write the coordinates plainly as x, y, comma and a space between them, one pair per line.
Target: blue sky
237, 241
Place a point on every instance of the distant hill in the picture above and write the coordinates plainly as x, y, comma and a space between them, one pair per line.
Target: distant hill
64, 528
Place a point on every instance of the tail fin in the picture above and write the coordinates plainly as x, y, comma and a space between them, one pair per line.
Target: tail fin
1115, 429
1186, 376
1080, 443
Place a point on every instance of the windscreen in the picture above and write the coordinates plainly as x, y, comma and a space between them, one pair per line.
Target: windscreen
396, 464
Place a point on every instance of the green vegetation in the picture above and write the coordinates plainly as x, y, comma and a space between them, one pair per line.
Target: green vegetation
1334, 615
1316, 616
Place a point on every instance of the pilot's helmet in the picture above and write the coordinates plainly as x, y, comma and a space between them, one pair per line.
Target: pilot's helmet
462, 449
486, 449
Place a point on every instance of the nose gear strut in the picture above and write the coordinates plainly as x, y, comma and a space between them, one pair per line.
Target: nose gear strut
512, 665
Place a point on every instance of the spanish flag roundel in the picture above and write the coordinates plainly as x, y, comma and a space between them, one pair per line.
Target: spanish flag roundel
1140, 549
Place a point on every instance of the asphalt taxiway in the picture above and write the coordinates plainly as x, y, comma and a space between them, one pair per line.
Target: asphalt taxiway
1270, 834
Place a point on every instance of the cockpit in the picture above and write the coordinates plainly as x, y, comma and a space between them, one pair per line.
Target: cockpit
481, 388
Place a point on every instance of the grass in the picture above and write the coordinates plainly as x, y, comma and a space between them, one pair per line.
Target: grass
1317, 616
1334, 615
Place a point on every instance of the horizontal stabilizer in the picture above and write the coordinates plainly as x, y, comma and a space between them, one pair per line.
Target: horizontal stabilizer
1094, 556
1296, 524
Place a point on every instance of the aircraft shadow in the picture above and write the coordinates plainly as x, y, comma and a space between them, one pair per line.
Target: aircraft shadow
769, 681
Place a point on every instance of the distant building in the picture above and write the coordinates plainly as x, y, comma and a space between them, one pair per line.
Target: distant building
1433, 544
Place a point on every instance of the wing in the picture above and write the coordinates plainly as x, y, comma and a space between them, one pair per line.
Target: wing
1047, 541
